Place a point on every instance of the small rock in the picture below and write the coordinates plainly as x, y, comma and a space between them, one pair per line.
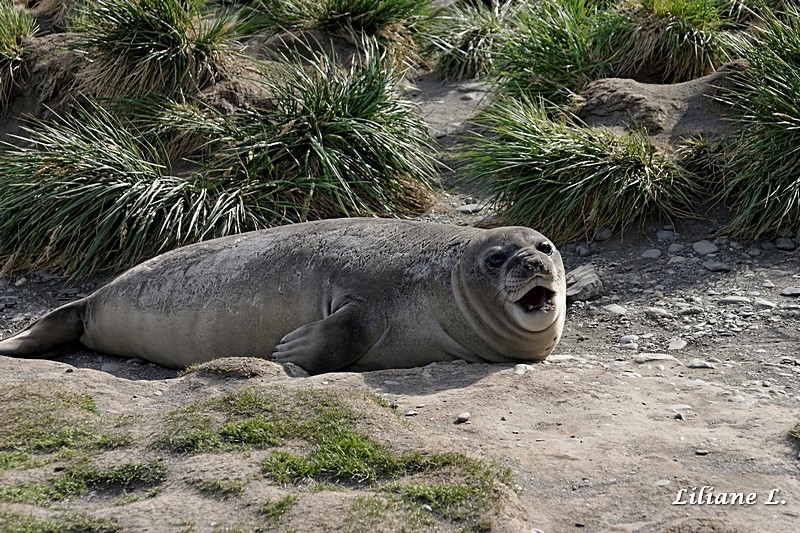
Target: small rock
21, 281
652, 253
782, 243
662, 483
626, 339
791, 291
716, 266
583, 250
470, 209
427, 508
676, 344
701, 451
110, 367
677, 260
468, 97
764, 304
705, 247
648, 357
733, 300
696, 383
584, 284
679, 407
767, 284
665, 235
768, 246
462, 417
753, 252
657, 312
615, 309
629, 346
522, 369
411, 412
674, 248
699, 363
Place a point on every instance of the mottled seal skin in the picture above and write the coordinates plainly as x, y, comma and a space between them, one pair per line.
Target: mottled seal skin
346, 294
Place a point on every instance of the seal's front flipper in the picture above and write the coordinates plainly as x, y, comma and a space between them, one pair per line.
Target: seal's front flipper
332, 343
49, 335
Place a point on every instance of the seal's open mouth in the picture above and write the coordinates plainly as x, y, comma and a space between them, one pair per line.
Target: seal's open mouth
536, 299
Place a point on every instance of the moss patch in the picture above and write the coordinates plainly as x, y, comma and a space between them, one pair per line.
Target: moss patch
77, 523
78, 480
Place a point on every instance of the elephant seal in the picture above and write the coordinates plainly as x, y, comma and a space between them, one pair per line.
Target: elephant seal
345, 294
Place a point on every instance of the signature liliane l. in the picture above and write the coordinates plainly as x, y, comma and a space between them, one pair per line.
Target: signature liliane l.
705, 495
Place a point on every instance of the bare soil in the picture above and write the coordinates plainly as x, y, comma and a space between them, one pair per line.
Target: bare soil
595, 440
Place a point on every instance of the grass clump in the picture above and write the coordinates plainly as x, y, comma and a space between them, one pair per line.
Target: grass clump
95, 191
274, 510
667, 41
466, 37
78, 480
762, 185
134, 47
569, 181
550, 51
16, 23
394, 24
219, 488
39, 419
71, 523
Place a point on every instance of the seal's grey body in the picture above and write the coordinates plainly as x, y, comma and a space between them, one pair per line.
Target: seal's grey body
348, 294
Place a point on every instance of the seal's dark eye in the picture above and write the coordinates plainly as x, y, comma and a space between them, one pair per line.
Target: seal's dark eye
496, 259
545, 247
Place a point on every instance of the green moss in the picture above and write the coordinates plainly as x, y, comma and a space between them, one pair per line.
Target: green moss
78, 523
46, 418
219, 488
77, 480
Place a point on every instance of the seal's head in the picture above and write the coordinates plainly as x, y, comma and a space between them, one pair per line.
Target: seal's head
512, 282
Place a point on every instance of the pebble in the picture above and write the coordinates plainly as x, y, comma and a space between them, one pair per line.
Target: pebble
716, 266
21, 281
676, 344
615, 309
696, 383
791, 291
699, 363
652, 253
629, 346
754, 252
665, 235
411, 412
768, 246
110, 367
648, 357
767, 284
468, 97
679, 407
728, 300
462, 417
764, 304
677, 260
657, 312
522, 369
674, 248
701, 451
782, 243
582, 250
662, 483
705, 247
470, 209
627, 339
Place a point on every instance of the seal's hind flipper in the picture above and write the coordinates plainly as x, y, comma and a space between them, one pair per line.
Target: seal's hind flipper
49, 335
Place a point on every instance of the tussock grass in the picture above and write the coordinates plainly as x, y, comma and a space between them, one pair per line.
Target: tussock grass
549, 51
67, 523
762, 185
393, 24
134, 47
667, 40
567, 180
95, 191
465, 38
15, 24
